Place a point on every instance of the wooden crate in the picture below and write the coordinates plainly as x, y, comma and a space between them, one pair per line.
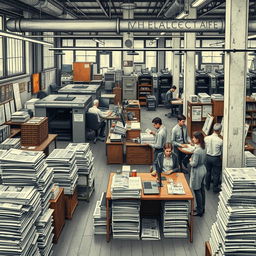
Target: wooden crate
34, 132
71, 202
58, 205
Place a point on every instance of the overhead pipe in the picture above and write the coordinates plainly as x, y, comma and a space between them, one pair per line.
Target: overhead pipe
60, 25
174, 8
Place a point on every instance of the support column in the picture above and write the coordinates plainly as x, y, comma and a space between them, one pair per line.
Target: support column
128, 13
189, 61
160, 55
236, 34
176, 64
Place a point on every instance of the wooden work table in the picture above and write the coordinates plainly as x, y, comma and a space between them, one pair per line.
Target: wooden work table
163, 196
114, 151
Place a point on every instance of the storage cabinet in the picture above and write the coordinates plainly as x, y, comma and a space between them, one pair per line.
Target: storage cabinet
145, 87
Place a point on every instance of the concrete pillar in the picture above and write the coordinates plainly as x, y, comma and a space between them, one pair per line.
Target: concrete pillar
128, 13
176, 64
189, 61
160, 54
236, 34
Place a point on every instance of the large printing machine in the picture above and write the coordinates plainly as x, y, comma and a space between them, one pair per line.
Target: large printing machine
83, 89
164, 84
66, 115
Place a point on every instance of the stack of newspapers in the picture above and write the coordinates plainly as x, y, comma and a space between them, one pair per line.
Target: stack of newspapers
86, 172
10, 143
146, 138
175, 219
217, 96
250, 159
44, 229
119, 128
204, 97
234, 232
64, 169
20, 208
123, 186
150, 229
126, 219
115, 137
99, 216
20, 117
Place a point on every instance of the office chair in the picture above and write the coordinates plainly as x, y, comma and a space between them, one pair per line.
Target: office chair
54, 88
41, 94
93, 123
104, 103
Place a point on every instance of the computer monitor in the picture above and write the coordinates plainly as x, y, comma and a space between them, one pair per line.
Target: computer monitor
66, 68
137, 68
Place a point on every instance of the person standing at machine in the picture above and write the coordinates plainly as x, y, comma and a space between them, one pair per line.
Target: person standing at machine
198, 172
179, 138
168, 100
214, 146
160, 136
101, 116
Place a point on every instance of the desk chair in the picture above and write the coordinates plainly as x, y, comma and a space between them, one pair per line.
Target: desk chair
41, 94
93, 123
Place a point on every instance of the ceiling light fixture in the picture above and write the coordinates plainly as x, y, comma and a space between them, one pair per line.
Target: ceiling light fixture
157, 38
252, 37
182, 15
162, 33
23, 38
197, 3
132, 53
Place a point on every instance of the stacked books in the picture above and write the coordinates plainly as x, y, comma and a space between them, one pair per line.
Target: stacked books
123, 186
217, 97
86, 172
19, 207
10, 143
250, 159
175, 219
5, 132
64, 169
146, 138
20, 117
150, 229
119, 128
126, 219
44, 229
100, 217
234, 231
204, 97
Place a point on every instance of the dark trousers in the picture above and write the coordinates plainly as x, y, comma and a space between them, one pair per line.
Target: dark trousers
200, 199
182, 158
213, 167
102, 129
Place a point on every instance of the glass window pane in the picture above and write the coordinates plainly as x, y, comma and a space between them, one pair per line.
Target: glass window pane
151, 59
116, 60
85, 43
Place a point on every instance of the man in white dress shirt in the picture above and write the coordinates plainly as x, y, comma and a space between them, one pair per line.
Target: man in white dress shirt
213, 165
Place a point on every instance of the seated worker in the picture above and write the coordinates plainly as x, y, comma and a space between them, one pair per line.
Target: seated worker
168, 98
160, 136
101, 115
180, 138
167, 161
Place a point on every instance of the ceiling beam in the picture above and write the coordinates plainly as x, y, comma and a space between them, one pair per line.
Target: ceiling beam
210, 7
166, 2
97, 7
102, 8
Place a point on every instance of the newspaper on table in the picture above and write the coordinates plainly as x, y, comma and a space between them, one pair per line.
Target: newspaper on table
234, 231
126, 219
63, 163
119, 128
217, 96
204, 97
123, 186
115, 137
20, 117
250, 159
150, 229
20, 208
10, 143
175, 219
175, 188
147, 138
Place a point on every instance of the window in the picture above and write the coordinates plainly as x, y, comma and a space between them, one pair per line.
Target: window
168, 43
168, 60
85, 56
48, 56
1, 49
212, 57
116, 59
139, 58
15, 56
151, 59
68, 58
85, 43
111, 43
151, 43
250, 55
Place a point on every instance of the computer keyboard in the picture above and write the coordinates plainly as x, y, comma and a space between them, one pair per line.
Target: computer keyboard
147, 185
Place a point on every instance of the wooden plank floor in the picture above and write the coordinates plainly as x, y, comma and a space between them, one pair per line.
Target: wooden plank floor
77, 237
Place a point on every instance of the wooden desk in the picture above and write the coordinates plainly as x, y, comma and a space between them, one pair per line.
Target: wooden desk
14, 124
44, 146
163, 196
58, 205
208, 249
115, 152
132, 133
138, 153
118, 92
